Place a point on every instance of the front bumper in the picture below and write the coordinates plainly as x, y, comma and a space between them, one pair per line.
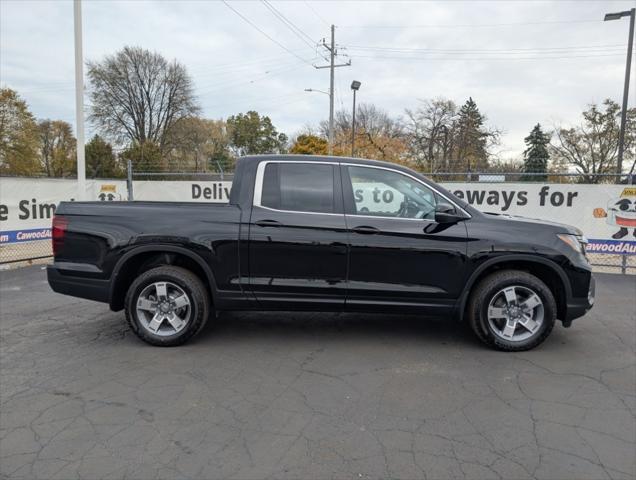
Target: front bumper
577, 307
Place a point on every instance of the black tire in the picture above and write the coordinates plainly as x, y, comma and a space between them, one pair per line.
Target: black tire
192, 286
488, 288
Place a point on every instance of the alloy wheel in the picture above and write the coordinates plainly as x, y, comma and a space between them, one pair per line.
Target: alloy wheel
163, 308
515, 313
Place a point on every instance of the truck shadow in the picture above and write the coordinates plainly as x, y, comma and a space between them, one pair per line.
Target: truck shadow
327, 326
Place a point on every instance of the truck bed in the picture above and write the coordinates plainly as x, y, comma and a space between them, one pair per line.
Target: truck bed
99, 234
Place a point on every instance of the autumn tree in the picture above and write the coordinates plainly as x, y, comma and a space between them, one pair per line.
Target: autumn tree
18, 136
101, 162
252, 134
378, 135
307, 144
57, 148
536, 156
592, 146
137, 96
200, 144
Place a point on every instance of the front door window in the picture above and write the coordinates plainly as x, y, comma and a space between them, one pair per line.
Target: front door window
385, 193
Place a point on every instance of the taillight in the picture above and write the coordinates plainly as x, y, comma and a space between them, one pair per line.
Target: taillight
58, 232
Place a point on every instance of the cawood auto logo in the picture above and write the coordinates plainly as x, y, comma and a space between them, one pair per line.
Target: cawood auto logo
621, 216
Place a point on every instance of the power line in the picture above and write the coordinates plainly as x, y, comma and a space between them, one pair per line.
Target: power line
241, 63
290, 25
316, 13
543, 57
247, 20
473, 25
254, 102
267, 74
574, 49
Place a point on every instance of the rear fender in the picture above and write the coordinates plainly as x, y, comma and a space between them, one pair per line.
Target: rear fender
113, 297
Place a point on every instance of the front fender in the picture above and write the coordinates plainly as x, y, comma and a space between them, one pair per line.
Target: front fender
460, 305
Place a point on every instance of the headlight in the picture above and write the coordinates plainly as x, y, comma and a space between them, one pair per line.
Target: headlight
576, 242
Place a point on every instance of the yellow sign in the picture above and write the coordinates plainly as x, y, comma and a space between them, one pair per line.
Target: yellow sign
108, 188
629, 192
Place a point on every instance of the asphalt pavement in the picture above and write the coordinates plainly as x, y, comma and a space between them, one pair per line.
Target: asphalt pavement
303, 396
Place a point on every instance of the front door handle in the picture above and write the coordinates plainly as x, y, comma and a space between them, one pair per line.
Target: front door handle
268, 223
365, 230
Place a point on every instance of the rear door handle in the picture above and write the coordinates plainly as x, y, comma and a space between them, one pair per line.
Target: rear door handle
365, 230
268, 223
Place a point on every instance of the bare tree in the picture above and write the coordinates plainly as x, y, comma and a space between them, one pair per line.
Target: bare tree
429, 130
592, 146
442, 137
137, 96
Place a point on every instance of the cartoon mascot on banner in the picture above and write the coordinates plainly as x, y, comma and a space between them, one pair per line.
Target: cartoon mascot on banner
621, 213
108, 193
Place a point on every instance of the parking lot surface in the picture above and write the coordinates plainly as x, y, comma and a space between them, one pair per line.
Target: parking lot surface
311, 395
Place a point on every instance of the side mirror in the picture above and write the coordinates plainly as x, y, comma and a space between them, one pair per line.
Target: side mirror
447, 213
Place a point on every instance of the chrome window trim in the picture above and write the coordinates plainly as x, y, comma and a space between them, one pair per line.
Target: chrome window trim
258, 187
459, 208
260, 174
299, 211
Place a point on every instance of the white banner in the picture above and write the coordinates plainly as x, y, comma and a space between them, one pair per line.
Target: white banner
605, 213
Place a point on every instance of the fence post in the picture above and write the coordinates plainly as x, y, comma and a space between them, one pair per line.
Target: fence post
129, 180
221, 170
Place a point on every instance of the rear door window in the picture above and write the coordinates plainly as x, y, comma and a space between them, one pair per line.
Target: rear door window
299, 187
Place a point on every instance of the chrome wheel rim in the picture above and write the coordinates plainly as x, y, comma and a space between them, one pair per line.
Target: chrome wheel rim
515, 313
163, 309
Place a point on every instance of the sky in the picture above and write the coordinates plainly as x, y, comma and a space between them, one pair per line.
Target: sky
523, 62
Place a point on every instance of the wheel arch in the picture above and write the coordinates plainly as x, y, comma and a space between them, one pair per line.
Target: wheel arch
143, 257
544, 269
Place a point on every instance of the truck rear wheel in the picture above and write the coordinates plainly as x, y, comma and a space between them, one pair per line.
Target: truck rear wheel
512, 311
167, 305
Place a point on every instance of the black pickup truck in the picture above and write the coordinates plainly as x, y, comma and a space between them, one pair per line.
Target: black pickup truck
322, 234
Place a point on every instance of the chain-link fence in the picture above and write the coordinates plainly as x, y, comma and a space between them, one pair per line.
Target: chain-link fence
25, 252
36, 244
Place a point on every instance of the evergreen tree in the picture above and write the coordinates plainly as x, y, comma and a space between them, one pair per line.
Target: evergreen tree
471, 138
100, 159
145, 157
536, 156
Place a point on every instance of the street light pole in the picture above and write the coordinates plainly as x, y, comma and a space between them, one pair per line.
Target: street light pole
621, 136
79, 100
355, 86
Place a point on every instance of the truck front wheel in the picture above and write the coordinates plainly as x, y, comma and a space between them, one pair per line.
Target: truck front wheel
512, 310
167, 305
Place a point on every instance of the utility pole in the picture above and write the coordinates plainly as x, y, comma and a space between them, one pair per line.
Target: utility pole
332, 66
79, 100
